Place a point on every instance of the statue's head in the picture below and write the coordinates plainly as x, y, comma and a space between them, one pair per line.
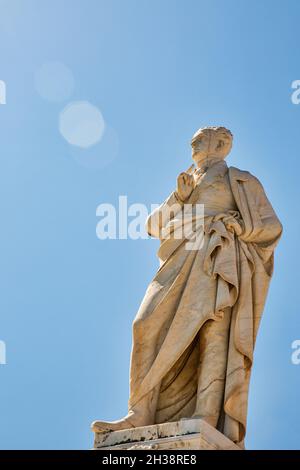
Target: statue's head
211, 142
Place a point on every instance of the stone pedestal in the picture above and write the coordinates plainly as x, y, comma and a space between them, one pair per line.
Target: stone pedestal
187, 434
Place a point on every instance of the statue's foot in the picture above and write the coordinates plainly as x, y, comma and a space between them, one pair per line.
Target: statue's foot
106, 426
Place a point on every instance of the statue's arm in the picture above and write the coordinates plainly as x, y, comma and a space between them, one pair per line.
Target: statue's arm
259, 222
270, 227
158, 219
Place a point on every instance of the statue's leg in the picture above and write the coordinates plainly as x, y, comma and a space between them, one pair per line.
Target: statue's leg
213, 349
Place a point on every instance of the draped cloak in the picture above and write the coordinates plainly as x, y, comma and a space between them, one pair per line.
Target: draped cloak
230, 269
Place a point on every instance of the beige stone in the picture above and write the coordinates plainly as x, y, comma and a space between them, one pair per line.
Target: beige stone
189, 434
195, 331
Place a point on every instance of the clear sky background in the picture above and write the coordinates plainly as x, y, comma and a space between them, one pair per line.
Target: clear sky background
158, 70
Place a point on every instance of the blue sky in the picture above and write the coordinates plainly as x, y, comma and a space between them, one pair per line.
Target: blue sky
157, 70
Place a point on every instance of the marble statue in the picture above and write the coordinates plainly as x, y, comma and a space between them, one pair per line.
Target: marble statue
195, 331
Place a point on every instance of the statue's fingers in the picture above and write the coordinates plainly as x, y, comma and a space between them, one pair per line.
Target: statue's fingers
191, 180
190, 169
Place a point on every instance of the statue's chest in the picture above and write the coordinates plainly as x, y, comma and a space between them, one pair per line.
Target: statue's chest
215, 193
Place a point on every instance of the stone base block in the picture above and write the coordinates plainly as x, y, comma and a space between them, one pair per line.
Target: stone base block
187, 434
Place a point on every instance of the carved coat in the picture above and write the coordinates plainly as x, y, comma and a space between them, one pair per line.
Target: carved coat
230, 269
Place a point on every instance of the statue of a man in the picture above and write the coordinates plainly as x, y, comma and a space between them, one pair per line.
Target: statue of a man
194, 334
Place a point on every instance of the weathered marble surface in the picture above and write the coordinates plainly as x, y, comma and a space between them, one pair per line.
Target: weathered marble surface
192, 434
195, 331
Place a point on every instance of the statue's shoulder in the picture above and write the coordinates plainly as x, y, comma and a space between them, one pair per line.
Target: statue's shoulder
241, 175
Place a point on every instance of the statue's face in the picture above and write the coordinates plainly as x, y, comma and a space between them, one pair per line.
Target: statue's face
210, 143
201, 147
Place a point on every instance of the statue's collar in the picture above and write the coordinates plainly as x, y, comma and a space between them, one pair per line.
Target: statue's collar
211, 170
209, 163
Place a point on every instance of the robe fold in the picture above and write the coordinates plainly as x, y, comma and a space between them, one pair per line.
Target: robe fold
228, 269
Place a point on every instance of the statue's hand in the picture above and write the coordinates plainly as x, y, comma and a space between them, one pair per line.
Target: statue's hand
233, 224
185, 186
